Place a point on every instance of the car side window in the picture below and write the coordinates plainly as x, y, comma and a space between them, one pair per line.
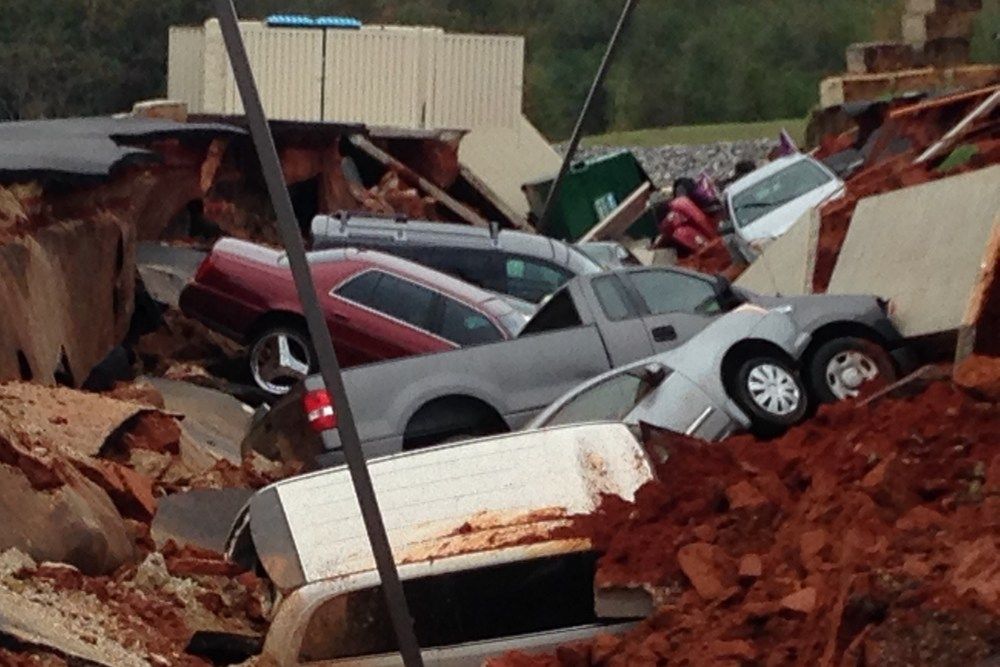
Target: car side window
459, 608
464, 326
559, 313
479, 267
393, 296
361, 289
533, 279
614, 302
671, 292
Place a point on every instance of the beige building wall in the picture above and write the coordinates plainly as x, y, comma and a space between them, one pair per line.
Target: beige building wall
409, 77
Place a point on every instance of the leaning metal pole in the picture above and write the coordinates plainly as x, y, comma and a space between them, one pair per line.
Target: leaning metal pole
574, 141
329, 368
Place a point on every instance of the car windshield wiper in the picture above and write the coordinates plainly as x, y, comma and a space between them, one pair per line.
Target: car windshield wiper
766, 204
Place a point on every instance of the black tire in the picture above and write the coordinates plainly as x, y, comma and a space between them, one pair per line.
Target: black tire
869, 359
749, 391
302, 350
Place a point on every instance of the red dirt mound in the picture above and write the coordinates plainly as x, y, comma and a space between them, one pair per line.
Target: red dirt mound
869, 536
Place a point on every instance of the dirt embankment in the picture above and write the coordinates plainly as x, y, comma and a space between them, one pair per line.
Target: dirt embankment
869, 536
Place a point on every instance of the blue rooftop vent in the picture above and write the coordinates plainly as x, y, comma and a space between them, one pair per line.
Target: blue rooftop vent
303, 21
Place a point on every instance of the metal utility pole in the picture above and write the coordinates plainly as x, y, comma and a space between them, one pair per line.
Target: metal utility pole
329, 368
574, 141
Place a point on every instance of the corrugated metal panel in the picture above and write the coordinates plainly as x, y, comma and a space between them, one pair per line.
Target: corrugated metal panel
186, 66
478, 82
377, 76
288, 66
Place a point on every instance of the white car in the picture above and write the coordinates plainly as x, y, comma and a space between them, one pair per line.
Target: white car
475, 530
764, 204
739, 373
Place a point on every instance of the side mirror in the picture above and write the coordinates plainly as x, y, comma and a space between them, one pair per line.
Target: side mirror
724, 292
654, 374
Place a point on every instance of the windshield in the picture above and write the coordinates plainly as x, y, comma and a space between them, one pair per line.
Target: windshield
611, 400
777, 190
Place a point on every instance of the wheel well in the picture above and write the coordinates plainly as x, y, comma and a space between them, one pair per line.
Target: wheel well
451, 415
836, 330
741, 352
275, 318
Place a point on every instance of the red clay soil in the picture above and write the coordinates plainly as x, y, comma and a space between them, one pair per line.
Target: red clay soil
868, 536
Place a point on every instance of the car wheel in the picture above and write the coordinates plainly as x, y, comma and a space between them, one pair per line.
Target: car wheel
846, 367
280, 357
771, 393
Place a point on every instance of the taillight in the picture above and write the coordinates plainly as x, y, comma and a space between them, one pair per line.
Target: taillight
203, 269
319, 410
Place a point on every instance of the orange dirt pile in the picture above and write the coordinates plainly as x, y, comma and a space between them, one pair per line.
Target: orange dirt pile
868, 536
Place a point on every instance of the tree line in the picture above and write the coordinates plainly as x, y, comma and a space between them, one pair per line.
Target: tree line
681, 61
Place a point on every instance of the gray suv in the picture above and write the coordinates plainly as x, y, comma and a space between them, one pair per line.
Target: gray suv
526, 266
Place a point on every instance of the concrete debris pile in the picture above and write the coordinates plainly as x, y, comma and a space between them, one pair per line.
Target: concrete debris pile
77, 194
933, 56
868, 536
81, 579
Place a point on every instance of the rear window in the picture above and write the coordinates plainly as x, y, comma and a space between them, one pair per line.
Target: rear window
519, 598
465, 326
559, 313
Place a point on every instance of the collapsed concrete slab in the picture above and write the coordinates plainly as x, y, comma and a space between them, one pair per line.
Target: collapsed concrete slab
925, 248
788, 263
74, 523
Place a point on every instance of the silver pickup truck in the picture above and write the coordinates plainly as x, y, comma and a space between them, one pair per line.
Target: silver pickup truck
593, 324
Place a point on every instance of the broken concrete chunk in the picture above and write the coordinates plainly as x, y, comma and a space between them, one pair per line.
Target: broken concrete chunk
874, 57
76, 523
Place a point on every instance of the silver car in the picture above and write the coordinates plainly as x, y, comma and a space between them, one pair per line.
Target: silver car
697, 389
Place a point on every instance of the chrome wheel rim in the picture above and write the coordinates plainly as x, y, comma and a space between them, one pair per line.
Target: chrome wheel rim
774, 389
847, 372
278, 361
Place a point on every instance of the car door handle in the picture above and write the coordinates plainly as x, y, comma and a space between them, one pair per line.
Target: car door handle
664, 334
341, 318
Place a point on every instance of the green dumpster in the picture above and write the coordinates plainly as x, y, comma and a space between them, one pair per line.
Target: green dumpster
591, 190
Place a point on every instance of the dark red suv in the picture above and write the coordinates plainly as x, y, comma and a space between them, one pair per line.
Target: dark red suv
377, 307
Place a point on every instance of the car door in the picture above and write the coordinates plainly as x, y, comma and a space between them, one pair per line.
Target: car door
676, 305
622, 327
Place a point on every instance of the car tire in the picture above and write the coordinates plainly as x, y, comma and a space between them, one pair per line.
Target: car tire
772, 394
280, 357
844, 368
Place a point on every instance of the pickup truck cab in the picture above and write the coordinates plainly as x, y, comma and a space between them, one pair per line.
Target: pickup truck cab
593, 324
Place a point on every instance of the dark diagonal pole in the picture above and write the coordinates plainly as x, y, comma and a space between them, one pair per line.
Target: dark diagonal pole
574, 141
288, 228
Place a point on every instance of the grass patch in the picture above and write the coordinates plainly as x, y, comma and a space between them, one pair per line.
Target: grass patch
700, 134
